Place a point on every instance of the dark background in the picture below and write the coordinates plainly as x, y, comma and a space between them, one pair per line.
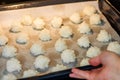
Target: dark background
2, 2
14, 1
115, 3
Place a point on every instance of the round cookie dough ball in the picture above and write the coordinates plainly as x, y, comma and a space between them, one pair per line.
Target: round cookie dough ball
83, 42
84, 62
68, 56
114, 47
59, 67
93, 52
9, 51
42, 63
22, 38
9, 77
60, 45
104, 36
26, 20
38, 24
45, 35
29, 73
13, 65
16, 27
76, 18
3, 40
37, 49
95, 19
56, 22
89, 10
66, 32
84, 28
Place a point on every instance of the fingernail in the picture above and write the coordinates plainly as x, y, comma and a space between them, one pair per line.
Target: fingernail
74, 69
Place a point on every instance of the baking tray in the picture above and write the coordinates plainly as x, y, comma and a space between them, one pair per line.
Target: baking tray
114, 21
111, 13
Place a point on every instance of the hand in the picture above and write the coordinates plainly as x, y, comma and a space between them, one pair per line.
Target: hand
109, 71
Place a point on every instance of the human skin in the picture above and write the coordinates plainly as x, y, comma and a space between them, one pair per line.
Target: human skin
109, 71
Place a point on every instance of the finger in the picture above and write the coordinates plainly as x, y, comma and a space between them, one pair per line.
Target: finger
72, 75
95, 61
97, 70
81, 74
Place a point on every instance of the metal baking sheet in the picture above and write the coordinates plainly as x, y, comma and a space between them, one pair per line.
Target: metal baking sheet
47, 13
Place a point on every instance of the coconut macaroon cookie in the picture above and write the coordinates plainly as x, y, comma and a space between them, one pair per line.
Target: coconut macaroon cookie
27, 20
37, 49
93, 51
59, 67
45, 35
9, 77
42, 63
95, 19
85, 62
114, 47
56, 22
13, 65
60, 45
9, 51
104, 36
68, 57
83, 41
66, 32
84, 28
22, 38
38, 24
76, 18
89, 10
29, 73
3, 40
16, 27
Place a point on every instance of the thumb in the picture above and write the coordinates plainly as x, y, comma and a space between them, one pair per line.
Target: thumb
109, 58
105, 58
95, 61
